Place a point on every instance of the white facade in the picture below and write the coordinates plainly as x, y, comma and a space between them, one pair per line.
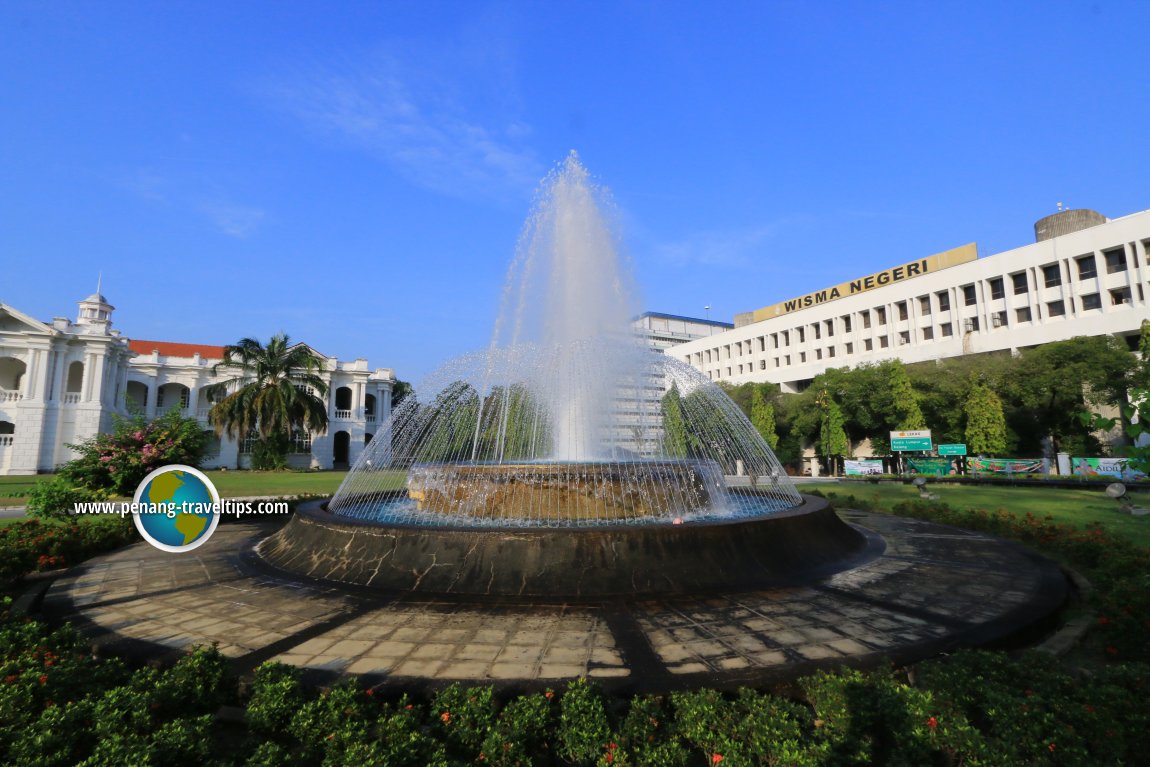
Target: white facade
61, 383
1091, 282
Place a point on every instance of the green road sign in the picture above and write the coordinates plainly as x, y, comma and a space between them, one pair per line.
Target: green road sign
911, 440
952, 449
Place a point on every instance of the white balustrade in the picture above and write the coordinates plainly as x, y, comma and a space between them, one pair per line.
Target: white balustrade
343, 415
370, 418
9, 395
6, 440
71, 398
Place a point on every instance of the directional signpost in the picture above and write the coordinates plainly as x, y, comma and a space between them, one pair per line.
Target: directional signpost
952, 449
911, 441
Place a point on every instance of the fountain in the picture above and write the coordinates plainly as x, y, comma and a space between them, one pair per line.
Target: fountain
567, 459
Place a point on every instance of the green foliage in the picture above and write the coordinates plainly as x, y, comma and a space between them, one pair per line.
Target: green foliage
832, 436
906, 412
30, 545
465, 716
584, 733
763, 418
674, 426
985, 423
276, 696
270, 453
520, 736
271, 391
57, 497
119, 460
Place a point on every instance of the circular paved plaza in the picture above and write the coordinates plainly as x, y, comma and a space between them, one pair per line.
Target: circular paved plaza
928, 589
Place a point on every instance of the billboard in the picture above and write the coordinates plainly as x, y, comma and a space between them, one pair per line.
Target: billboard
934, 467
1005, 465
863, 467
1105, 467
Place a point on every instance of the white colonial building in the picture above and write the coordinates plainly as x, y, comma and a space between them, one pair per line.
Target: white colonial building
1085, 276
62, 382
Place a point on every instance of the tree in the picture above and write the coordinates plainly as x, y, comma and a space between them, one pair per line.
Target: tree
276, 389
985, 423
763, 418
905, 412
833, 443
1055, 381
400, 391
674, 426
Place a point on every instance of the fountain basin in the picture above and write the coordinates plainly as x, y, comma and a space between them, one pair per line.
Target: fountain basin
565, 491
786, 547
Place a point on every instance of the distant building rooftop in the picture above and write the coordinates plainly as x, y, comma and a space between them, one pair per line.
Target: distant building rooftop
173, 349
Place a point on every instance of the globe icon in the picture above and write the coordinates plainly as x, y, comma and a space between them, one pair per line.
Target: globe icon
184, 517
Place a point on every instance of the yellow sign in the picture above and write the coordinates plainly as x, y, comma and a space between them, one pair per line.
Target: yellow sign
927, 265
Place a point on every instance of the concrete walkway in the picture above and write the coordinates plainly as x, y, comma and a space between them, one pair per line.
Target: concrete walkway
932, 589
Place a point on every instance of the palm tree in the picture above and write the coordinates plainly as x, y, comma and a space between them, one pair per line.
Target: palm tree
277, 389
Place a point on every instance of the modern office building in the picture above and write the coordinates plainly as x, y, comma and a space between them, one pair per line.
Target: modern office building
662, 331
62, 382
1086, 275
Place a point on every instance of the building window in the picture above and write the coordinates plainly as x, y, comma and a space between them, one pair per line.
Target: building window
1087, 268
1115, 260
300, 442
762, 364
774, 340
904, 337
830, 327
762, 343
850, 348
1120, 296
818, 354
740, 369
818, 333
998, 319
1056, 308
1091, 301
776, 361
786, 338
802, 357
788, 359
924, 304
802, 335
1052, 275
946, 329
846, 323
865, 319
996, 288
970, 324
969, 295
883, 341
1019, 281
830, 351
902, 311
928, 334
728, 372
880, 313
943, 301
1023, 314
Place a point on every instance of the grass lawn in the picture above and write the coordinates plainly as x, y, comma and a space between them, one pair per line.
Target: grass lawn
1074, 507
231, 484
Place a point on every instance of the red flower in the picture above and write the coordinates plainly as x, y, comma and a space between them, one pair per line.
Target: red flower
369, 692
932, 723
716, 758
43, 679
446, 717
549, 695
1051, 747
610, 758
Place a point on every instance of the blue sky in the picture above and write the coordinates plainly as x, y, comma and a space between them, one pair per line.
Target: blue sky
357, 173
